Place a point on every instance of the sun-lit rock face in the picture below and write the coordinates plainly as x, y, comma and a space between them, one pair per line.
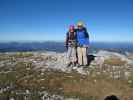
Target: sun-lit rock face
104, 61
114, 64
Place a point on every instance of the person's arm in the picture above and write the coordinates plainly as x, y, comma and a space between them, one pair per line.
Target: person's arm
87, 37
75, 34
66, 41
86, 33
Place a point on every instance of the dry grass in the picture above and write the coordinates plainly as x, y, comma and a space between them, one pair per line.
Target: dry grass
79, 86
67, 84
115, 62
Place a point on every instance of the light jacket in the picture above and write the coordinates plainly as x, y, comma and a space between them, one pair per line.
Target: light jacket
82, 37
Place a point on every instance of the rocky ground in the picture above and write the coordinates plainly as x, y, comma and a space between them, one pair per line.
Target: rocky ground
45, 76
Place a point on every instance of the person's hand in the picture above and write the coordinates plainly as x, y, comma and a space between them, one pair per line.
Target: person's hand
66, 46
86, 46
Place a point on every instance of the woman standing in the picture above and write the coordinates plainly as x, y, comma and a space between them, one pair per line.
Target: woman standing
71, 45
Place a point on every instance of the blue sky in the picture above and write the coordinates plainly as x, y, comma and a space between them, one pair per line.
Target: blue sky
42, 20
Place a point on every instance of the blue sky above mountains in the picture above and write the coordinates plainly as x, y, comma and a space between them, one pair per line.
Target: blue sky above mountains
42, 20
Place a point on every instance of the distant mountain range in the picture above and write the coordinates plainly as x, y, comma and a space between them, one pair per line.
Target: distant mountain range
59, 46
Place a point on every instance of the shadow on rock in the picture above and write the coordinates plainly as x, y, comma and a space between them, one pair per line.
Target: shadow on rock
90, 58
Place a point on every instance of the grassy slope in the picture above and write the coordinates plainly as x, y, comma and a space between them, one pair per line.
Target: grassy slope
24, 76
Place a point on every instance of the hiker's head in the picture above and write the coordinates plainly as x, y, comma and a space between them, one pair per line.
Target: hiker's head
80, 25
71, 28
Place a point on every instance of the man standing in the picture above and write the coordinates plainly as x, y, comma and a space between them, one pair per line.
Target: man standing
82, 44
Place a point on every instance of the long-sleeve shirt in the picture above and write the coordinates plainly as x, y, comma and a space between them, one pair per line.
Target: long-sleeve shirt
70, 39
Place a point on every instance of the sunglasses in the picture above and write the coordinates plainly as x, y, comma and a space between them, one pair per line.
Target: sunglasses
80, 26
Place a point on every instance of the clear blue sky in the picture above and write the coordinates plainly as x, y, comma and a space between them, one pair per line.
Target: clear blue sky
42, 20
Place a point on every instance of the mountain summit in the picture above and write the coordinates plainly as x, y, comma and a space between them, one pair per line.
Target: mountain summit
45, 76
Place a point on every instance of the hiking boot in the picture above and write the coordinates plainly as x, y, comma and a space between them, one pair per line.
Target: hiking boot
69, 64
74, 64
85, 66
79, 65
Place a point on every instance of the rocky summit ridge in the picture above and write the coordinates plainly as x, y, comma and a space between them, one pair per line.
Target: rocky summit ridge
46, 75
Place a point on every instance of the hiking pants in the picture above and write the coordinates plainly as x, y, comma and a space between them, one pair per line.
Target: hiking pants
71, 54
82, 55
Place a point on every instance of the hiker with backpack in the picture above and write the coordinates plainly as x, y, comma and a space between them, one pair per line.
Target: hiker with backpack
82, 44
71, 45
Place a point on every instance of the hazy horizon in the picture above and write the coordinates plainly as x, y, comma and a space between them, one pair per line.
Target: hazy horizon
61, 41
